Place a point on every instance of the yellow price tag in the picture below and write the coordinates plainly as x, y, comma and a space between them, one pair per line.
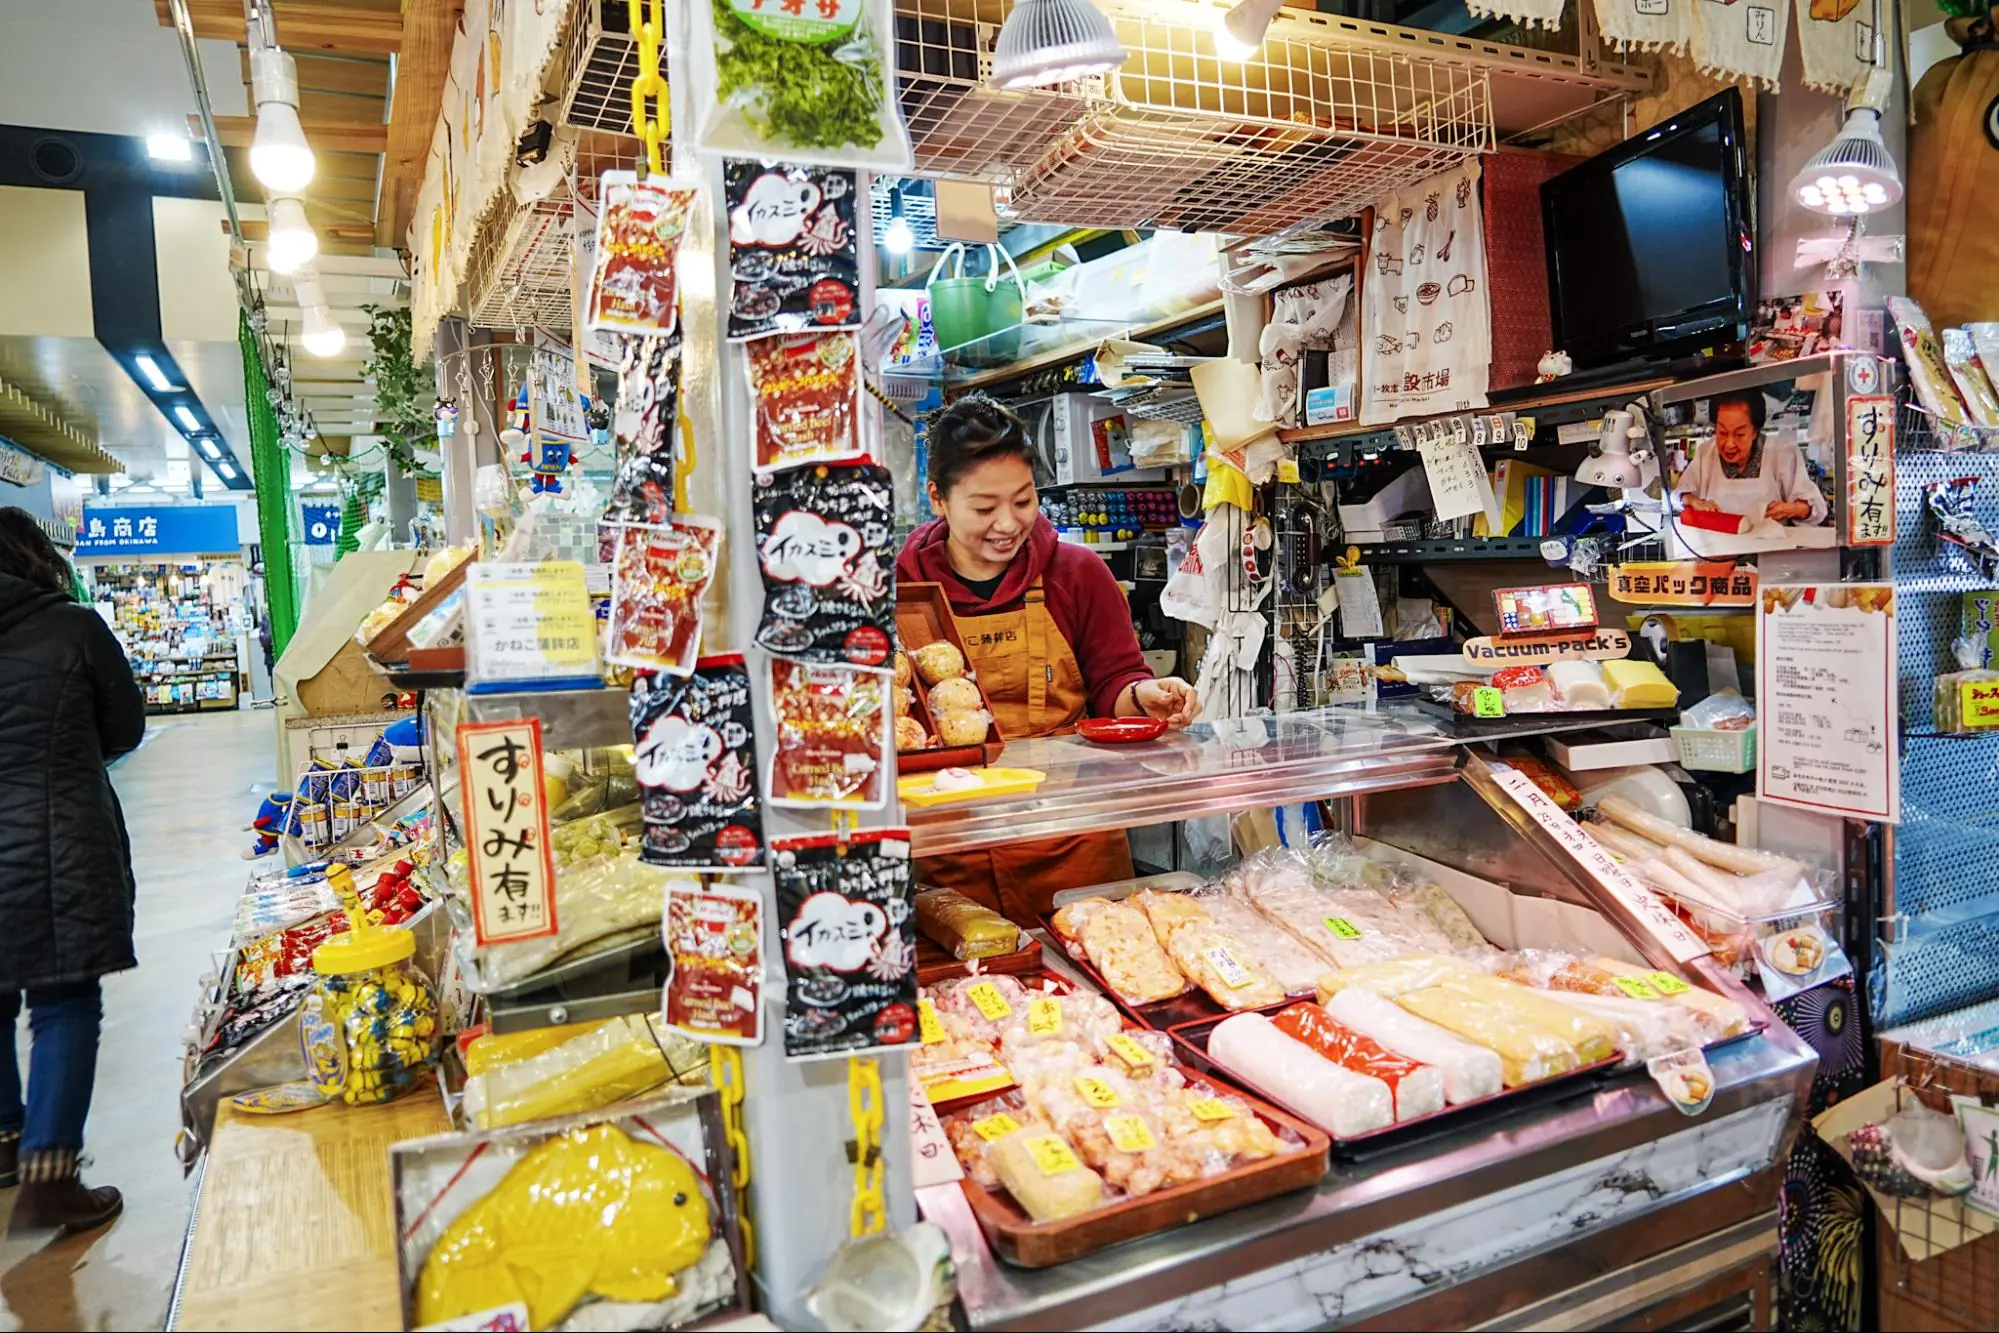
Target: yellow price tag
1134, 1056
1343, 928
1287, 471
1636, 989
928, 1025
995, 1126
1666, 983
1487, 702
1211, 1108
1096, 1092
989, 1001
1978, 703
1129, 1133
1044, 1016
1052, 1155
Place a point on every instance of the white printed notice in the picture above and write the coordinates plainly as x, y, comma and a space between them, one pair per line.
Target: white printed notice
1825, 693
1456, 473
1652, 915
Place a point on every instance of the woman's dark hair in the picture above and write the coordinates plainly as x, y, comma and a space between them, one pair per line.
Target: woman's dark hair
967, 433
27, 553
1752, 403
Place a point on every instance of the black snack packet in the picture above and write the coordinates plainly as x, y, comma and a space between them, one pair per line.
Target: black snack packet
794, 252
696, 760
848, 926
824, 547
643, 425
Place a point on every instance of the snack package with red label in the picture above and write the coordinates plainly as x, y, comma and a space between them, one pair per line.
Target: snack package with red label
825, 546
644, 426
657, 580
832, 736
794, 253
632, 289
714, 934
695, 757
848, 928
807, 392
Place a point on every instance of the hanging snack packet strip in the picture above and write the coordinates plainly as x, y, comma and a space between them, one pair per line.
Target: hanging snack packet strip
714, 934
824, 545
658, 575
793, 249
832, 736
849, 932
639, 231
643, 426
807, 389
695, 758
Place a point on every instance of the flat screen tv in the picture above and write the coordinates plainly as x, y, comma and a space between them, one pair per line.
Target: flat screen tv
1652, 245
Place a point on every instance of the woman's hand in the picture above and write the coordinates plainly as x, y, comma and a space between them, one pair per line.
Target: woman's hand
1783, 511
1700, 505
1168, 698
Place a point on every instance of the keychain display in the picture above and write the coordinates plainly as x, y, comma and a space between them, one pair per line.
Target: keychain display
633, 286
825, 547
644, 428
807, 392
714, 934
846, 905
794, 252
659, 573
695, 757
833, 736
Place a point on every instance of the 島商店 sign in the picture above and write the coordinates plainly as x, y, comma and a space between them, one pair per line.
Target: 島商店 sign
158, 530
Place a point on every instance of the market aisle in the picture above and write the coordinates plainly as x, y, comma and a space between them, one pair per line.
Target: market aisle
186, 792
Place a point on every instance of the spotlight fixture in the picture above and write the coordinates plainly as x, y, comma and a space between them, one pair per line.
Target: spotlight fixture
1044, 42
897, 238
279, 155
1855, 174
291, 243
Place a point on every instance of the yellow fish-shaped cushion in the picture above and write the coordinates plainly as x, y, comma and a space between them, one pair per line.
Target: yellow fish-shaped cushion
587, 1213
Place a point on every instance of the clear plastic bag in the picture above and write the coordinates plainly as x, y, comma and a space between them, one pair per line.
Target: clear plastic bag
613, 1062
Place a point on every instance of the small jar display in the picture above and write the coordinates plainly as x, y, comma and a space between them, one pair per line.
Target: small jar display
369, 1025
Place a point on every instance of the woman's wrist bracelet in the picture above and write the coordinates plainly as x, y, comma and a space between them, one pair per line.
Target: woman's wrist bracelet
1136, 707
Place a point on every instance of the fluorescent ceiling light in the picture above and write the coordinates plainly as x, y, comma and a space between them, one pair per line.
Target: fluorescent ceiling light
206, 444
227, 469
169, 148
1045, 42
279, 154
186, 416
1241, 30
292, 242
322, 337
154, 375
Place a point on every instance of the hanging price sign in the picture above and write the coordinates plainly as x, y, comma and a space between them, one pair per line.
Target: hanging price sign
506, 830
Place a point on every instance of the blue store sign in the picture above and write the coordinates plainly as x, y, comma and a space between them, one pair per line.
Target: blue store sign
159, 530
320, 524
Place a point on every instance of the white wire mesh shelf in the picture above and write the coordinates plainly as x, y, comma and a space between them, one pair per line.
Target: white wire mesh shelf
519, 270
600, 60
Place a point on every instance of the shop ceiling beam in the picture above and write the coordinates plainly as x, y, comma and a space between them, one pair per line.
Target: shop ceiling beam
37, 428
429, 27
302, 25
328, 136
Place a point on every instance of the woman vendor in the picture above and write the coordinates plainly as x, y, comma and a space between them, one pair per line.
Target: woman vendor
1748, 474
1047, 632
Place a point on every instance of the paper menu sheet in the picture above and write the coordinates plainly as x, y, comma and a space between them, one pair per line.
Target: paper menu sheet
1458, 481
1826, 698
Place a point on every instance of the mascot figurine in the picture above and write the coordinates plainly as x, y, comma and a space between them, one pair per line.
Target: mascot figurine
548, 459
269, 825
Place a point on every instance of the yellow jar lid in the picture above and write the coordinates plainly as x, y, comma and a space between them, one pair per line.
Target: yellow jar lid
364, 946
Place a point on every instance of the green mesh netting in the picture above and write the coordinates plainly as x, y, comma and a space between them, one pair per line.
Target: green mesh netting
271, 472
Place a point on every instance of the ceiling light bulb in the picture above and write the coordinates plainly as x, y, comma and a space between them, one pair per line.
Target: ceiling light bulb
1045, 42
898, 239
1239, 33
291, 243
279, 154
1855, 173
321, 336
169, 148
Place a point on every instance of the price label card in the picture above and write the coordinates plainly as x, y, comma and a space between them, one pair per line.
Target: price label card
1129, 1133
1052, 1155
1343, 928
995, 1126
1044, 1016
1488, 702
1128, 1051
929, 1027
506, 830
1232, 973
1978, 703
1666, 983
529, 622
989, 1001
1211, 1109
1095, 1092
1636, 989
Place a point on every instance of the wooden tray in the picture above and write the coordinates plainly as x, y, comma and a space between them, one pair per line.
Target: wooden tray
391, 645
934, 965
923, 615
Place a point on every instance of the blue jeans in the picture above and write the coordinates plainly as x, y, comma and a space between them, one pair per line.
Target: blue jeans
62, 1065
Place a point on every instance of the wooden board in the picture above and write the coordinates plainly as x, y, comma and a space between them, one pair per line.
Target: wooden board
923, 615
295, 1227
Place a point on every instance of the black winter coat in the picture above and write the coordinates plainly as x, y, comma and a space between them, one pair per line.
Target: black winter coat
68, 705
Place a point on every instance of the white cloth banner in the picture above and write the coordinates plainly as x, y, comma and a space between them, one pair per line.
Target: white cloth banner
1528, 13
1742, 40
1838, 41
1647, 25
1426, 327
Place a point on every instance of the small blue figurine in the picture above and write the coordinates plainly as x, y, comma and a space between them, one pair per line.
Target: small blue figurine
553, 461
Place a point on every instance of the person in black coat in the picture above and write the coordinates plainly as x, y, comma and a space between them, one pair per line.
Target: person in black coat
68, 706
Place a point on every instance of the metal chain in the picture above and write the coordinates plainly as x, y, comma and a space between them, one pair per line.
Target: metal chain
864, 1105
725, 1070
651, 124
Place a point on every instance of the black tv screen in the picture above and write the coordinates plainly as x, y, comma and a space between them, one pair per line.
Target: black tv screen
1651, 249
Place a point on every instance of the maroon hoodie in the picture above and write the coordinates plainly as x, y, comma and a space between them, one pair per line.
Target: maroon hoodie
1086, 602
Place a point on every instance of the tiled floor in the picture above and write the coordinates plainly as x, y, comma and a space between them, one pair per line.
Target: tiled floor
186, 793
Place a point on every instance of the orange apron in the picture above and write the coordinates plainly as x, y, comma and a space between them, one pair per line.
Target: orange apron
1034, 687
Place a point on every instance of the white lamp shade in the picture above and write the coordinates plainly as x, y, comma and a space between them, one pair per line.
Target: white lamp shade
292, 242
279, 154
1853, 175
1046, 42
321, 336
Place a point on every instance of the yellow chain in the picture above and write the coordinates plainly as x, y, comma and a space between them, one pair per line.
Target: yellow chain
725, 1070
649, 125
864, 1105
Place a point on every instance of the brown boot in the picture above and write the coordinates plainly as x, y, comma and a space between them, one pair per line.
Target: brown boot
54, 1198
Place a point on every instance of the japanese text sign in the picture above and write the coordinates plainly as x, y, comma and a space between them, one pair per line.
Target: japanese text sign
1978, 703
1683, 583
1870, 471
506, 830
159, 530
530, 622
